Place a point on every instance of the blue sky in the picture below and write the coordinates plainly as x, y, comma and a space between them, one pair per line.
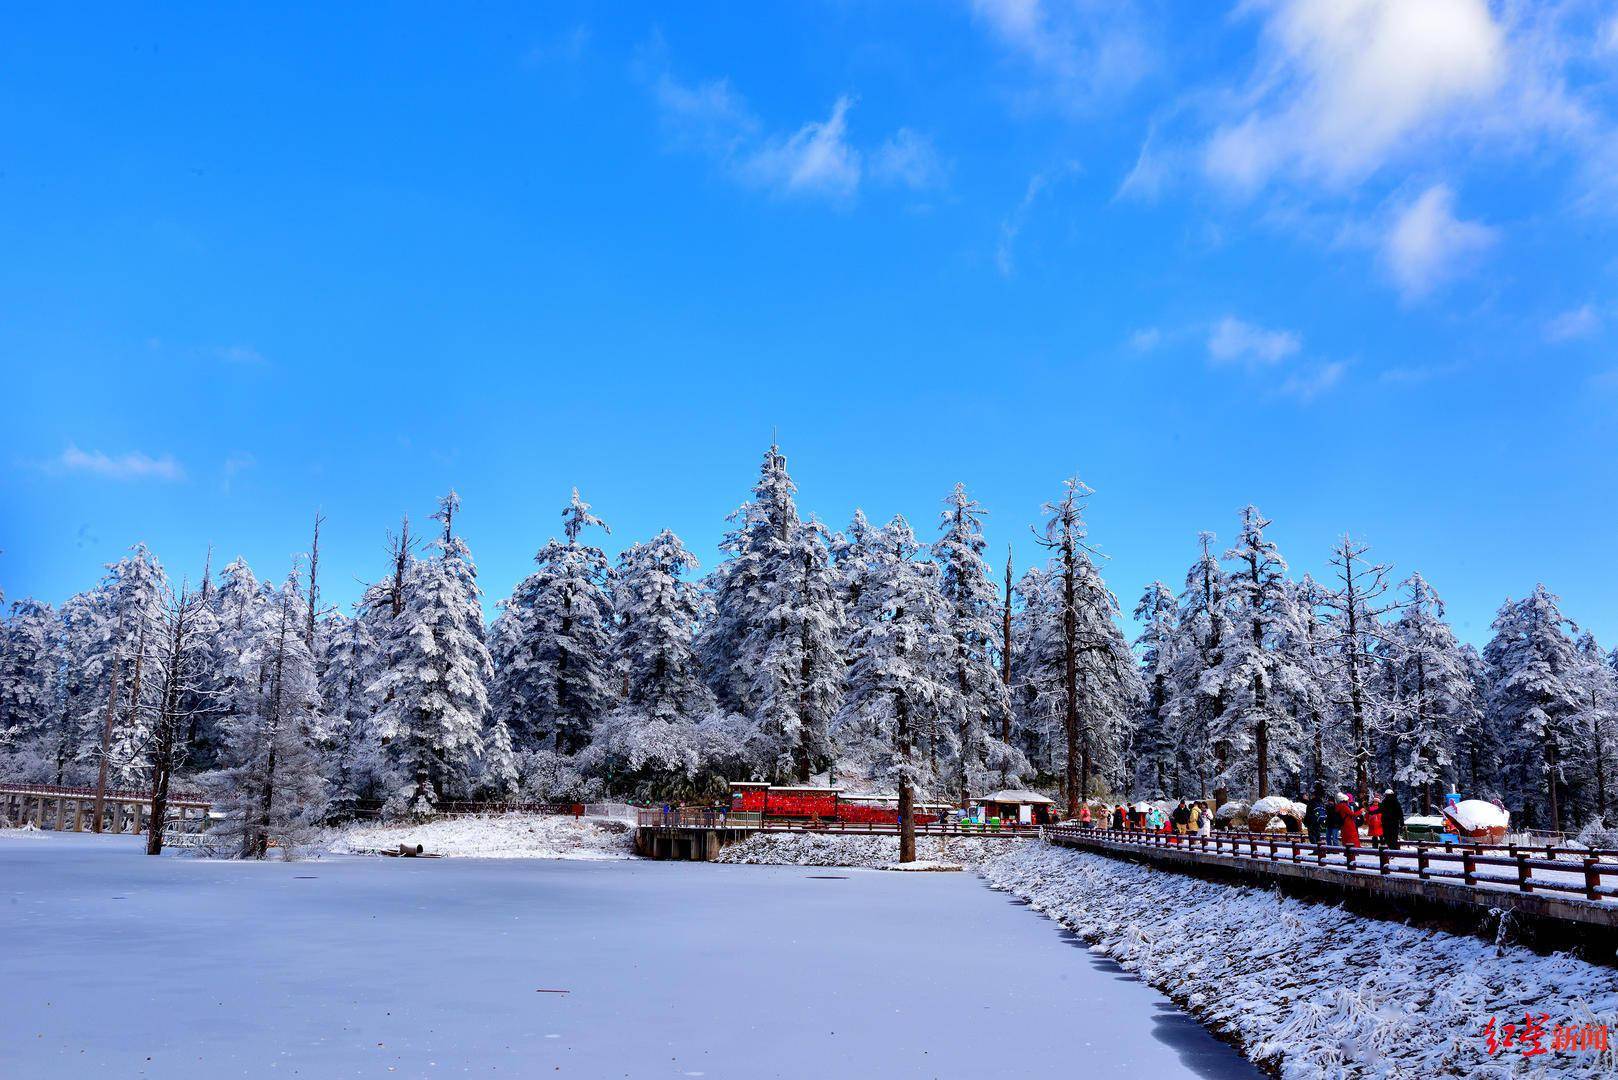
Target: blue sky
1350, 261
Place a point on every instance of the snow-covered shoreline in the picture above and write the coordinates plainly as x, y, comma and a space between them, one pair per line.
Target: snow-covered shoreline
1308, 989
507, 836
871, 852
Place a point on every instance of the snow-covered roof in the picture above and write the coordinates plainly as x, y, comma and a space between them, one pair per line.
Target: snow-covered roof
1014, 795
1275, 804
749, 783
1474, 814
820, 790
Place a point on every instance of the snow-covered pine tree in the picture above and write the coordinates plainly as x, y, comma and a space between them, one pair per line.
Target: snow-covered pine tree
770, 649
1433, 691
553, 642
1597, 686
28, 674
356, 768
434, 681
897, 688
1259, 669
1064, 534
1353, 614
1201, 630
1110, 689
666, 740
1153, 746
1036, 672
272, 791
116, 624
981, 700
1326, 757
1534, 703
180, 680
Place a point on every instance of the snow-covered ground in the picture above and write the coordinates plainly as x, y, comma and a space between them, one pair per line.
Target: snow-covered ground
1311, 989
117, 965
818, 849
504, 836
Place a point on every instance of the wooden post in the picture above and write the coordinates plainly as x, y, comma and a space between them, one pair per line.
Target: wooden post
1469, 867
1421, 861
60, 805
1592, 878
1522, 872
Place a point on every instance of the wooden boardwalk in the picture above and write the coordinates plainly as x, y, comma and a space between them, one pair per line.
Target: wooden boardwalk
72, 809
1566, 884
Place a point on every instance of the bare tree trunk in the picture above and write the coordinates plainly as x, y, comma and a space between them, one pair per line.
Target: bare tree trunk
907, 794
106, 743
314, 586
168, 722
1070, 673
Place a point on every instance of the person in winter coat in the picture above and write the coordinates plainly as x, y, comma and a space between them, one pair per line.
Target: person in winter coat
1182, 818
1194, 823
1205, 827
1084, 816
1349, 819
1312, 820
1373, 821
1120, 818
1334, 821
1393, 819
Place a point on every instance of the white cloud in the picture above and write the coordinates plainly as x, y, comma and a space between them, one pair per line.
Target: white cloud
1080, 50
131, 466
1345, 83
1305, 386
909, 159
815, 159
707, 116
1146, 339
818, 159
1427, 242
1232, 341
1011, 228
244, 355
1580, 322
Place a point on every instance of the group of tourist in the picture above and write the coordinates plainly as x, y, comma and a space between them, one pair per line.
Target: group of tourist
1333, 820
1337, 821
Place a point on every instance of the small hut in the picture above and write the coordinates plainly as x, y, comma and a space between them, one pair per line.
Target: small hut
1478, 821
1022, 807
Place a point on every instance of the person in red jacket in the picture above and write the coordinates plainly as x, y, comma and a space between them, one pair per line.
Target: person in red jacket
1350, 818
1084, 816
1373, 821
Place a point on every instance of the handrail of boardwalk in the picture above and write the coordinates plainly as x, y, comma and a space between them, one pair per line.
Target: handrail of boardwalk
56, 791
693, 818
1469, 864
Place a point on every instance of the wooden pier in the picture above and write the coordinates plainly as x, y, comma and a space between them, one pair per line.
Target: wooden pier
72, 809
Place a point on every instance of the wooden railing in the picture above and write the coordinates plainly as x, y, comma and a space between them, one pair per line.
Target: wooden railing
693, 818
1585, 871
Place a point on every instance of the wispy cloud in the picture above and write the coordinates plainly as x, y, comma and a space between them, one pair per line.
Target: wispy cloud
1145, 339
816, 159
1233, 341
1575, 325
1078, 54
1307, 385
243, 355
910, 159
134, 465
820, 158
1427, 244
236, 462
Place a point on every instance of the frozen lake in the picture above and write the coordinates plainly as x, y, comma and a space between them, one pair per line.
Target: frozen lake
117, 965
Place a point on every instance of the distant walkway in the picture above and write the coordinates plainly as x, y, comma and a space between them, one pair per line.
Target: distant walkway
64, 809
1569, 884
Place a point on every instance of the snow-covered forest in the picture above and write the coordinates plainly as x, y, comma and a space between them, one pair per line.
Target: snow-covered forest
870, 657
